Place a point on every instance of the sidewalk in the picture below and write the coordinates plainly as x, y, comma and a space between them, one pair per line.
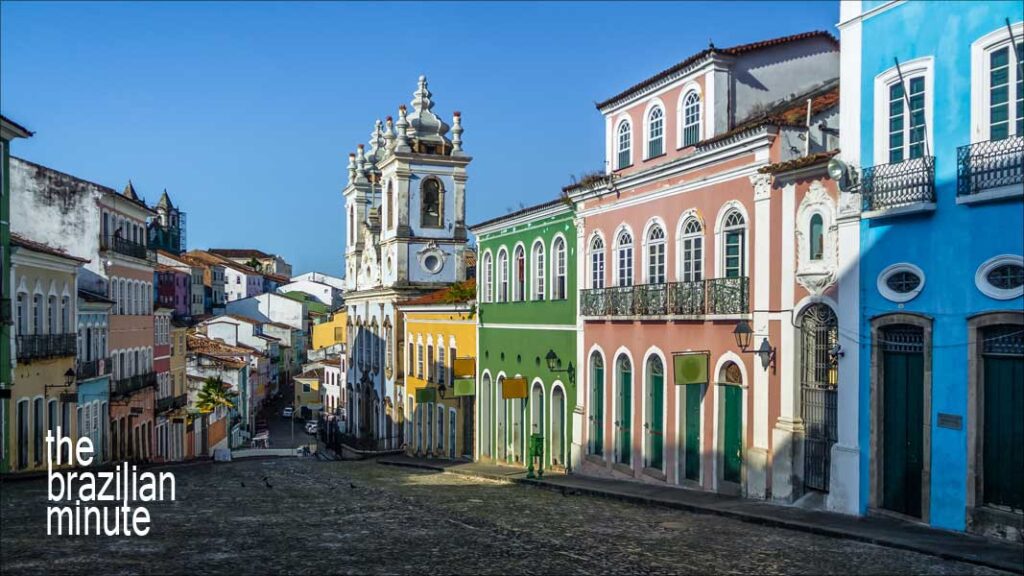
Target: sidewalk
882, 531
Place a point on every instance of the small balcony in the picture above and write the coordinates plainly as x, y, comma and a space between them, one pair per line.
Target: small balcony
712, 297
900, 188
37, 346
127, 248
991, 170
126, 386
89, 369
169, 403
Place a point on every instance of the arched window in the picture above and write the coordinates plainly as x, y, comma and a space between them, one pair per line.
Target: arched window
691, 119
735, 232
656, 255
655, 132
597, 262
624, 259
52, 315
37, 314
817, 247
692, 251
502, 276
538, 270
625, 142
519, 277
596, 404
488, 284
558, 286
431, 195
442, 377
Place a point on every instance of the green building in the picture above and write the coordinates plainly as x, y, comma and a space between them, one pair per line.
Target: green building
9, 130
527, 336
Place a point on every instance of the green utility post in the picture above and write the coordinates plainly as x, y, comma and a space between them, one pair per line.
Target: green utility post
536, 453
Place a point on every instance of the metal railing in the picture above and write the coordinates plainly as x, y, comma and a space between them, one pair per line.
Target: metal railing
898, 185
128, 248
32, 346
168, 403
986, 165
86, 369
133, 383
699, 298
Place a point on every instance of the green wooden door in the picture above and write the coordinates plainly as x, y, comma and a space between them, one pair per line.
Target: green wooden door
657, 423
903, 431
625, 412
691, 443
1004, 432
732, 443
597, 410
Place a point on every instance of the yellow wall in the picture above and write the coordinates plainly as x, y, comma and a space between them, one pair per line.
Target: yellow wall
306, 398
30, 379
446, 323
324, 334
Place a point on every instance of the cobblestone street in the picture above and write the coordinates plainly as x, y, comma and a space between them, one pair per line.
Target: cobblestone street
326, 517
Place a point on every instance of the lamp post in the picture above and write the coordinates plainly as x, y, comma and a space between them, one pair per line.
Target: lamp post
69, 380
555, 365
766, 352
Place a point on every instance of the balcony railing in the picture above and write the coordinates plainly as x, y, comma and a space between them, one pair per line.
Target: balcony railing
32, 346
168, 403
128, 248
716, 296
985, 166
88, 369
898, 185
133, 383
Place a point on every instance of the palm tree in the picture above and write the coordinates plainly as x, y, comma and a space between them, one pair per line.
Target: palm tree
214, 393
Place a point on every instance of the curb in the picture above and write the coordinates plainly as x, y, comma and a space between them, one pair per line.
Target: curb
733, 514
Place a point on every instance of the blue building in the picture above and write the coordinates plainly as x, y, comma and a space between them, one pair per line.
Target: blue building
931, 234
92, 370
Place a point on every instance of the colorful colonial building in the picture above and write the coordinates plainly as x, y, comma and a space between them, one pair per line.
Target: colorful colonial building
689, 287
528, 336
932, 312
92, 368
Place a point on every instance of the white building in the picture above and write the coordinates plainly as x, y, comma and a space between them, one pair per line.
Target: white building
324, 293
322, 278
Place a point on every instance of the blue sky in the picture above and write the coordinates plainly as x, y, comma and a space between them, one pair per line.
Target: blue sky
246, 112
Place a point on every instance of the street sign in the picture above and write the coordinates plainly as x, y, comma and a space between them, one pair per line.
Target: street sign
68, 397
690, 367
465, 387
513, 388
465, 367
426, 395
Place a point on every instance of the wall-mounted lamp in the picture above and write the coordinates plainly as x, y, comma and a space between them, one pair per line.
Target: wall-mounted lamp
766, 351
555, 365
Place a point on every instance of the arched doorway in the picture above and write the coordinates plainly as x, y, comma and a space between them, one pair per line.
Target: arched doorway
624, 410
654, 441
537, 411
517, 427
500, 413
596, 404
819, 333
730, 384
557, 433
486, 427
401, 427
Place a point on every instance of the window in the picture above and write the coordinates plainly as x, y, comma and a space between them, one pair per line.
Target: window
1001, 277
52, 315
430, 203
441, 377
1005, 93
488, 283
900, 282
655, 132
691, 119
22, 313
624, 145
558, 287
902, 110
624, 259
419, 361
23, 432
906, 136
735, 235
391, 205
37, 314
519, 285
597, 262
692, 251
656, 255
39, 424
817, 237
538, 270
502, 276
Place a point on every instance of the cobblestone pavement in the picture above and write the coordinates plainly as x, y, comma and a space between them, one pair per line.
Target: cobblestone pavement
328, 517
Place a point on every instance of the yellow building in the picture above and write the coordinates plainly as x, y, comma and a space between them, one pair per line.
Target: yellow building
440, 338
331, 332
308, 402
45, 395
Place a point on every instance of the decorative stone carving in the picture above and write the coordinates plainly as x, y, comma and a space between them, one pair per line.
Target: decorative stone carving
431, 258
817, 275
762, 186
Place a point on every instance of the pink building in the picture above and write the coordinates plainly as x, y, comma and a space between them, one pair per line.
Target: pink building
688, 246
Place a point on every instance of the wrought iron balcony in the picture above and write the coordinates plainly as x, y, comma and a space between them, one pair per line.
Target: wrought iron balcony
32, 346
899, 185
168, 403
131, 384
89, 369
716, 296
987, 166
127, 248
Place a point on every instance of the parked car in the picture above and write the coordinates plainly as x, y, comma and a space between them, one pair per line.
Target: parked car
311, 427
287, 412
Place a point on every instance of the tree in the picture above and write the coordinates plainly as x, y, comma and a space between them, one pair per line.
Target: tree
214, 393
255, 264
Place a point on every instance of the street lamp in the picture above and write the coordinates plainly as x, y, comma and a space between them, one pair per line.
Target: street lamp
69, 380
766, 351
554, 365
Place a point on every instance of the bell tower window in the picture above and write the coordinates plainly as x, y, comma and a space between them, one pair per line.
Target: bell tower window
431, 203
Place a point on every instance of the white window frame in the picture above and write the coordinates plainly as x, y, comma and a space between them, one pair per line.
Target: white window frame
519, 290
488, 283
924, 66
628, 122
980, 77
649, 246
721, 231
652, 106
986, 288
503, 275
685, 237
539, 270
598, 278
559, 267
900, 297
619, 251
691, 88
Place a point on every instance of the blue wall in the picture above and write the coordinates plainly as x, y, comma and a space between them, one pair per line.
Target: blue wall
948, 244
